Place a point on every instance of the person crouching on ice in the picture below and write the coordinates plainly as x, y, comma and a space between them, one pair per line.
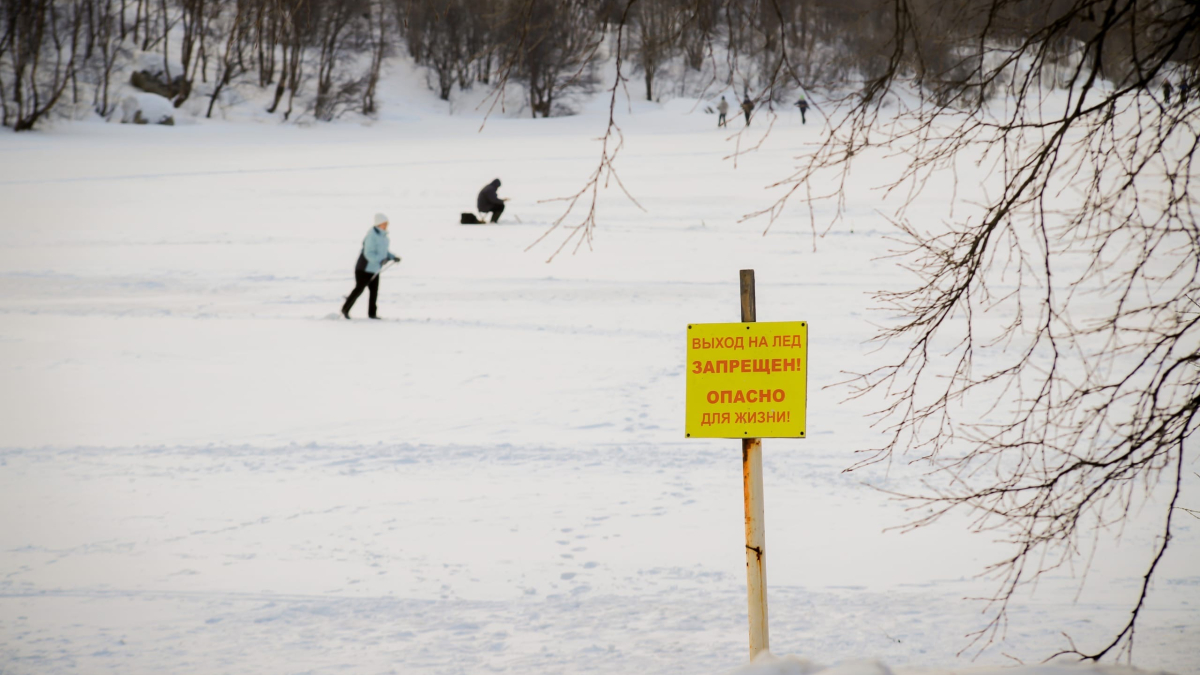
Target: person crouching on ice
370, 262
489, 202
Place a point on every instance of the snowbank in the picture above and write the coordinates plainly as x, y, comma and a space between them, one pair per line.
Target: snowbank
145, 108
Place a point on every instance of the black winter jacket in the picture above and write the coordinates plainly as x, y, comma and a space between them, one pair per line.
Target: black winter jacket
488, 199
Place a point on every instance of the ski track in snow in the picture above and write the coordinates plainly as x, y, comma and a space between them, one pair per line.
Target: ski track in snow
200, 473
438, 559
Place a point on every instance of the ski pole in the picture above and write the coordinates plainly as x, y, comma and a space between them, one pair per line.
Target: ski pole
383, 267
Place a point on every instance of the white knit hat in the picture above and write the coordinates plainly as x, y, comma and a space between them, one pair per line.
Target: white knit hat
380, 219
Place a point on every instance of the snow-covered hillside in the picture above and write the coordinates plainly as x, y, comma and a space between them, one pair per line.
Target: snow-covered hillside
201, 471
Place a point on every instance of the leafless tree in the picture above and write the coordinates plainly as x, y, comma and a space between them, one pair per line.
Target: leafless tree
107, 41
552, 47
339, 26
164, 37
697, 32
605, 173
40, 45
548, 47
230, 64
292, 25
437, 37
266, 41
480, 39
194, 19
1048, 373
377, 34
658, 34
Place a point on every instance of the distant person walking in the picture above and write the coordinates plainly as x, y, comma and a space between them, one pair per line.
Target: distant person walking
722, 108
370, 262
1167, 91
747, 107
803, 105
489, 202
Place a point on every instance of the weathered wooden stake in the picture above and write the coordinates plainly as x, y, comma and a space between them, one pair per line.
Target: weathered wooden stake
752, 482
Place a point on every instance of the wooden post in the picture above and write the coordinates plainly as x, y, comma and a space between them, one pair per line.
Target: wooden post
752, 483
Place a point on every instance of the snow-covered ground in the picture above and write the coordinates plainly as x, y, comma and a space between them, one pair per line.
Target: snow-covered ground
202, 472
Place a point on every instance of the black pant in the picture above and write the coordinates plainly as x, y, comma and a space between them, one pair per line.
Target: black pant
496, 211
363, 279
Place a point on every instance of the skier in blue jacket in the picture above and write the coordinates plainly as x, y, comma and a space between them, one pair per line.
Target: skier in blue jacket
366, 273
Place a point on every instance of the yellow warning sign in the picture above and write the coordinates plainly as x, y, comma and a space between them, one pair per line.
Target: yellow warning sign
747, 380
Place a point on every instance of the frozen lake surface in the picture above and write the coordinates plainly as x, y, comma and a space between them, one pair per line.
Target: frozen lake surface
201, 471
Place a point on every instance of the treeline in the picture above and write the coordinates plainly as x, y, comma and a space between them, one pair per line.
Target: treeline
329, 53
66, 51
